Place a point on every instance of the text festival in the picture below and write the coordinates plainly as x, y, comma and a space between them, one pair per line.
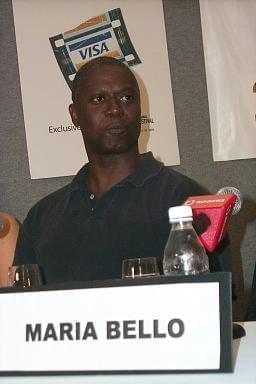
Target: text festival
127, 329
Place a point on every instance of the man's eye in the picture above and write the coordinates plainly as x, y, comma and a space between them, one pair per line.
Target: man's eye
126, 98
98, 99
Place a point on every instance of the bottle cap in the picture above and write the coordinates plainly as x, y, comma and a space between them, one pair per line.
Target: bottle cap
180, 212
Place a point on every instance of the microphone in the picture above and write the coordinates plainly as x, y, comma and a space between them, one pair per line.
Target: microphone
212, 214
239, 198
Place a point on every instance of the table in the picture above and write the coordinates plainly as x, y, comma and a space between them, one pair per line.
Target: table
244, 360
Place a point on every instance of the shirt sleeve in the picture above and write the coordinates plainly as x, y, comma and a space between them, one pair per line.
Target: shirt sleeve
24, 252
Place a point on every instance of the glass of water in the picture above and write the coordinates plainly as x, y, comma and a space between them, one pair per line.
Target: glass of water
24, 276
140, 267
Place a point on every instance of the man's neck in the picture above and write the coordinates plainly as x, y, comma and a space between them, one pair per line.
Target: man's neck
107, 171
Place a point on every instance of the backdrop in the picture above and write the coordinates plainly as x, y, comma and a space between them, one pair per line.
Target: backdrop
50, 56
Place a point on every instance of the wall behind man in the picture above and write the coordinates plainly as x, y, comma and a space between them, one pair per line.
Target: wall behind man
184, 37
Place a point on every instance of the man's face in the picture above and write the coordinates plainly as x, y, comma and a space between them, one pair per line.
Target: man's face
108, 110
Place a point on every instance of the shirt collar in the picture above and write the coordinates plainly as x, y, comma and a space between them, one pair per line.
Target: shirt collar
78, 183
147, 168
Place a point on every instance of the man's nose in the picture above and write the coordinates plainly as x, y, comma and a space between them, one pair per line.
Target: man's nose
114, 107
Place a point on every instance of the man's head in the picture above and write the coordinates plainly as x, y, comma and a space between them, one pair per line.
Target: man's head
106, 106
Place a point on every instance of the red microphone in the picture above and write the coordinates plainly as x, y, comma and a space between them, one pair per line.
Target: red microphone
212, 214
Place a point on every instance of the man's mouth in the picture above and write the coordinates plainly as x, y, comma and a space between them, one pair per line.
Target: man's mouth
116, 128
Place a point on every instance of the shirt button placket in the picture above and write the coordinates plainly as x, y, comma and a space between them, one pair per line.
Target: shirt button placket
92, 196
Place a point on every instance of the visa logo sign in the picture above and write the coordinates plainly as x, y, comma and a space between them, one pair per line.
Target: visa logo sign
93, 50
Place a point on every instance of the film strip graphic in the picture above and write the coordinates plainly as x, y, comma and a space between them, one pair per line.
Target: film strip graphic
103, 35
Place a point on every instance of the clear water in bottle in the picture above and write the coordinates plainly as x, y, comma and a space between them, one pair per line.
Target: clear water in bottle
184, 253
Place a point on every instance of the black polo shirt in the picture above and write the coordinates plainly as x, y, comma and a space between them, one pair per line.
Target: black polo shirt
74, 236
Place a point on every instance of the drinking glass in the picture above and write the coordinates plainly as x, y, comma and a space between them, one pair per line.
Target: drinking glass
140, 267
24, 276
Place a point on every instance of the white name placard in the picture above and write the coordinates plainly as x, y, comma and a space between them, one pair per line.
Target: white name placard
121, 328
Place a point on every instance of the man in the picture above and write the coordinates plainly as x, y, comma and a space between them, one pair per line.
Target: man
117, 205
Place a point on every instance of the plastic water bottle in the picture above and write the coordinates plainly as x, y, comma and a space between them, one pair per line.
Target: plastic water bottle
184, 253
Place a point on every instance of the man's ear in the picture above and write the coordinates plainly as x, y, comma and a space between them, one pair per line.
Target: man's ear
73, 114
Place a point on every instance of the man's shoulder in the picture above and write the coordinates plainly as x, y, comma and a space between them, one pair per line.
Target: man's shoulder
57, 200
175, 179
49, 204
54, 196
160, 176
173, 187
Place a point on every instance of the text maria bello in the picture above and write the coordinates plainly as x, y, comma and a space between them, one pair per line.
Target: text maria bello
127, 329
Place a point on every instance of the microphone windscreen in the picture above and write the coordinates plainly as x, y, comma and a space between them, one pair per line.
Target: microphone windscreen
239, 198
